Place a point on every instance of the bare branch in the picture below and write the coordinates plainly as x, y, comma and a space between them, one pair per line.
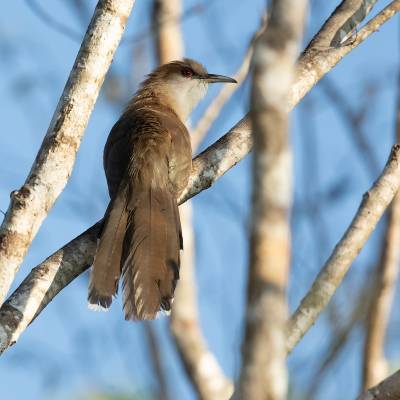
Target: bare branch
53, 164
389, 389
375, 366
311, 67
155, 355
374, 203
43, 283
355, 125
342, 14
207, 168
200, 363
213, 110
263, 374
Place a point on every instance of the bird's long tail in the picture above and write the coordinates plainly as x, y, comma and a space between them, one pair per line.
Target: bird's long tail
150, 258
106, 270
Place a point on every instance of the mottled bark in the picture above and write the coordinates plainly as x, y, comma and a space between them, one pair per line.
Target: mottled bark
263, 374
53, 164
374, 203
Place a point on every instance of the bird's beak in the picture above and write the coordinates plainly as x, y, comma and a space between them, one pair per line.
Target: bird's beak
212, 78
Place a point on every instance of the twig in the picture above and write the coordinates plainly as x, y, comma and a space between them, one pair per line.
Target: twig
263, 374
76, 36
200, 363
312, 66
340, 337
374, 203
207, 168
53, 164
375, 365
354, 122
318, 59
213, 110
155, 353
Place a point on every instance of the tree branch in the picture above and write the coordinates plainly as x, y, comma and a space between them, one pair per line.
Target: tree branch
373, 205
207, 168
375, 365
263, 374
213, 110
53, 164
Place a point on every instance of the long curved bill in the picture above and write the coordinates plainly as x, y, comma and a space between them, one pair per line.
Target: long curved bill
213, 78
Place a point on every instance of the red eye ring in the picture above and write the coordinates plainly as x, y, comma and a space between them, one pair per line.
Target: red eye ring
187, 72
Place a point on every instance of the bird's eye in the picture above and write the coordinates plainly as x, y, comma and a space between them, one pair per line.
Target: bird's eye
187, 72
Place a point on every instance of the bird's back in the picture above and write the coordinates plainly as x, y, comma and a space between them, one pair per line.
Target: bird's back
147, 161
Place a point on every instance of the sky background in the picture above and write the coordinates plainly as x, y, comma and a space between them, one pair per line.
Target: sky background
72, 353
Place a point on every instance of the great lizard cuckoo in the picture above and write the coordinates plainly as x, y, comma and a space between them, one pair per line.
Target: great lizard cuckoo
147, 162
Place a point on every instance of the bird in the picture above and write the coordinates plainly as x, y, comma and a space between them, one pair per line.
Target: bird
147, 161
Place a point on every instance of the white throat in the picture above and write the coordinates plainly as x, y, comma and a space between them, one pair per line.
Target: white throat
185, 94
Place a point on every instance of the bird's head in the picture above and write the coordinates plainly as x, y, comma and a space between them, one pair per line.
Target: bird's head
182, 84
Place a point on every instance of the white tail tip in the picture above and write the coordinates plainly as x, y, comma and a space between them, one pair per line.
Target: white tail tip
97, 307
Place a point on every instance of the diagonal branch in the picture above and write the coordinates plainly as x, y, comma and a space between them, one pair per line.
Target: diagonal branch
207, 168
373, 205
375, 365
53, 164
213, 110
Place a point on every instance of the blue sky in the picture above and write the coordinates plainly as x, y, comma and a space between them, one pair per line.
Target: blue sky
70, 352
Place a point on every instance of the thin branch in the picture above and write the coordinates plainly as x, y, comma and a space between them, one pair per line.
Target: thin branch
340, 337
213, 110
375, 365
76, 36
155, 355
318, 59
344, 12
263, 374
199, 362
53, 164
389, 389
355, 125
43, 15
373, 205
207, 168
311, 67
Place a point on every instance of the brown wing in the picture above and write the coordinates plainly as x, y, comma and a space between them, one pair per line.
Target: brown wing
150, 175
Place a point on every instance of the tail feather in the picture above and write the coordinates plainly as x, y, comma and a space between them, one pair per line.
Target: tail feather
151, 254
106, 270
